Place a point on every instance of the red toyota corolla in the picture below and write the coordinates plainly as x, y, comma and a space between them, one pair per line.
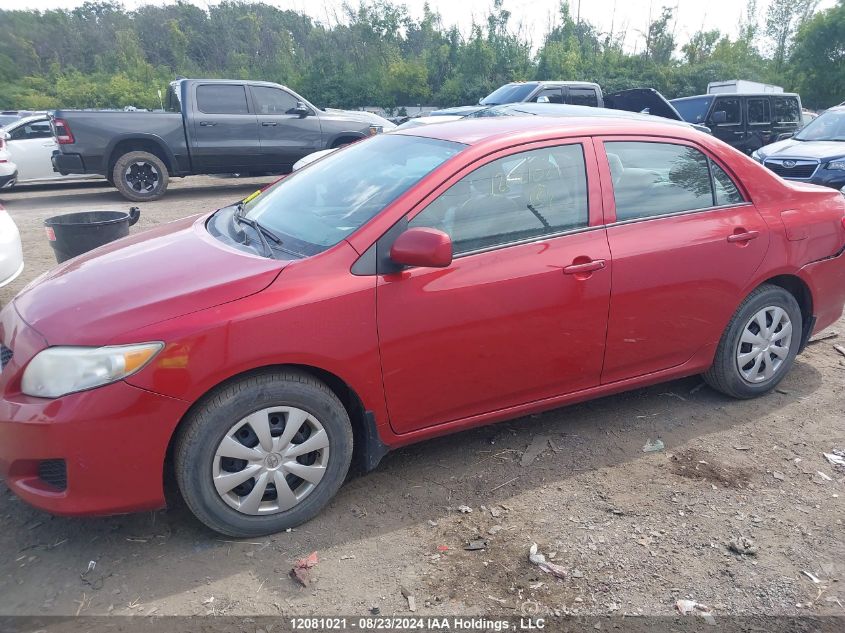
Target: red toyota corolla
410, 285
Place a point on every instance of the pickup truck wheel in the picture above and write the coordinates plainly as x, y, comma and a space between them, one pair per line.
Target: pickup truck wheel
263, 454
140, 176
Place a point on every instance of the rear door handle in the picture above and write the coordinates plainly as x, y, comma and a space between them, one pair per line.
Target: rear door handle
207, 124
745, 236
269, 123
586, 267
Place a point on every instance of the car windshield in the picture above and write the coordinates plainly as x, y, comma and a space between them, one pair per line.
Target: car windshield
692, 110
316, 208
509, 93
829, 126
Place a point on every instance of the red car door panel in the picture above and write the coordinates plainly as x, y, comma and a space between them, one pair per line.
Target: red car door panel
501, 327
677, 279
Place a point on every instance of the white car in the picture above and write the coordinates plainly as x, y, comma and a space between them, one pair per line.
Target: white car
8, 169
416, 122
11, 253
30, 143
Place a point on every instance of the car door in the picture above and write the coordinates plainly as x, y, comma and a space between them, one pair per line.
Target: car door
225, 129
685, 241
286, 133
758, 112
582, 96
520, 314
786, 112
31, 145
731, 130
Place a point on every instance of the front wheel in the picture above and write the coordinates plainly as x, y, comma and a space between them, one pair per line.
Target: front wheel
140, 176
263, 454
759, 345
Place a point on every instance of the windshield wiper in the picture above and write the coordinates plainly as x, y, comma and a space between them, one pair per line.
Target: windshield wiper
264, 233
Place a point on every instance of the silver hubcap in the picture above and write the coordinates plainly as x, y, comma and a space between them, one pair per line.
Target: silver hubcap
270, 460
764, 345
141, 176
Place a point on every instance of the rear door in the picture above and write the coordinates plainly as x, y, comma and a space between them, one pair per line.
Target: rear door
758, 112
786, 113
225, 129
520, 314
685, 241
732, 131
285, 134
582, 96
31, 146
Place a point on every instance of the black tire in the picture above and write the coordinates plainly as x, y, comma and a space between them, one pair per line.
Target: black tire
147, 180
205, 428
725, 374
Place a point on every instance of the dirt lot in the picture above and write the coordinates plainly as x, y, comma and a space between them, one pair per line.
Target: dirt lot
634, 531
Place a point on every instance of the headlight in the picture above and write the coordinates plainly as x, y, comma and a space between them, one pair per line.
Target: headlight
756, 156
837, 164
58, 371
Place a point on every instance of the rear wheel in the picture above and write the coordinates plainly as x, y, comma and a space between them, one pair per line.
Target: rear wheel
759, 345
264, 454
140, 176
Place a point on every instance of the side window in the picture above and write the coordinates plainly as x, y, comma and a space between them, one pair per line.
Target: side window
273, 100
554, 95
521, 196
222, 99
36, 129
652, 179
787, 110
725, 191
733, 111
759, 111
583, 97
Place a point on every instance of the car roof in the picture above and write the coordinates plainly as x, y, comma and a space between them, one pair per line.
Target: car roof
536, 128
28, 119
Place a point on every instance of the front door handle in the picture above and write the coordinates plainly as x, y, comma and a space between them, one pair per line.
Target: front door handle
269, 123
743, 236
207, 124
586, 267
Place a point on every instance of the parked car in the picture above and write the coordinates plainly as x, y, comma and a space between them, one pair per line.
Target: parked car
745, 121
31, 144
210, 126
816, 154
411, 285
11, 252
572, 92
8, 168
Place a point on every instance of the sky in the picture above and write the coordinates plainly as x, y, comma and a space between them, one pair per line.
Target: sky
535, 16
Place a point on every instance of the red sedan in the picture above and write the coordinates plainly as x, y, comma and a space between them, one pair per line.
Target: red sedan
408, 286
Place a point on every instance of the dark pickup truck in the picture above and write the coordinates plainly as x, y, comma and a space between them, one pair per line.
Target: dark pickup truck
208, 126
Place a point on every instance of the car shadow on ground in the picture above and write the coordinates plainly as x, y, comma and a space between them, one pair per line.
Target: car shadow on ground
415, 484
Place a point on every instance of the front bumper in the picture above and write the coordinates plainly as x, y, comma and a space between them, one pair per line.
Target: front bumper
68, 163
95, 452
9, 179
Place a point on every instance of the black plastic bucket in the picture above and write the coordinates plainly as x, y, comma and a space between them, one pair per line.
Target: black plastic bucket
75, 233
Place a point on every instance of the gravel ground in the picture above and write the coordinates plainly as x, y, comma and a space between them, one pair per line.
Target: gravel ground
631, 531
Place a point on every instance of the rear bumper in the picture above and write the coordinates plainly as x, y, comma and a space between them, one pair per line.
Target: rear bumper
68, 163
826, 279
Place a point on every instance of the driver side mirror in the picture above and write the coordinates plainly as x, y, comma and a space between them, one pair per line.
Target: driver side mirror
784, 135
719, 117
543, 99
424, 247
301, 109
